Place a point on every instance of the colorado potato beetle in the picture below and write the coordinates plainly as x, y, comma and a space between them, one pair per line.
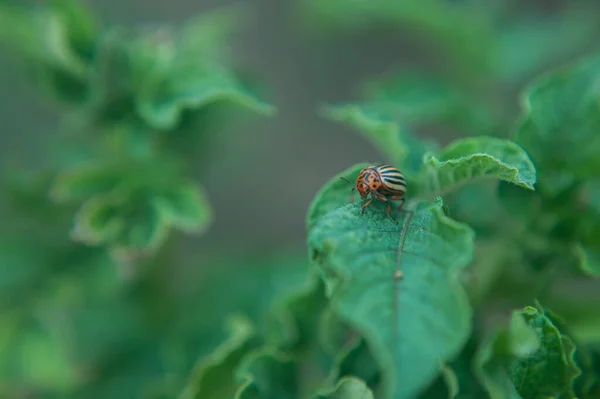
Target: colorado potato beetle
383, 182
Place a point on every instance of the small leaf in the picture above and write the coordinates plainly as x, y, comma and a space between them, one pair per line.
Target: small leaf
451, 381
83, 182
359, 256
193, 87
551, 371
41, 35
457, 380
213, 376
591, 262
121, 221
560, 128
499, 350
466, 160
184, 206
155, 75
386, 134
533, 359
267, 374
349, 388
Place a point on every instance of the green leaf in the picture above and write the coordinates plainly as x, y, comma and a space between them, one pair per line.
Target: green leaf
349, 353
193, 87
375, 272
462, 29
334, 194
457, 380
591, 261
492, 40
533, 359
349, 388
499, 350
57, 41
213, 377
386, 134
414, 98
155, 76
470, 159
451, 381
131, 205
562, 119
551, 371
184, 206
82, 27
258, 286
121, 221
267, 374
40, 35
530, 43
82, 182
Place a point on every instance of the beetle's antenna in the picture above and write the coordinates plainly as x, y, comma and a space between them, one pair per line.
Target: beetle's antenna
346, 180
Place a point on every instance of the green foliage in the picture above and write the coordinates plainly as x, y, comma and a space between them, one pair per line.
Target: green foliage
393, 318
101, 297
530, 359
131, 90
350, 388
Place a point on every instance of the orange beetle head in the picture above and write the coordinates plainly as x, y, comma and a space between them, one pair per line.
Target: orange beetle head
367, 182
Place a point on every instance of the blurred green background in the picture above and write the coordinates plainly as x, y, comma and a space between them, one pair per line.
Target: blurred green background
303, 65
260, 175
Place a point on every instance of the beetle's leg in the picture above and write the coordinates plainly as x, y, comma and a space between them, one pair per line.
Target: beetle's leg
352, 195
398, 198
401, 204
365, 206
389, 206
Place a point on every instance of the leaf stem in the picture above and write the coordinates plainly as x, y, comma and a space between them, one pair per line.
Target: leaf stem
398, 275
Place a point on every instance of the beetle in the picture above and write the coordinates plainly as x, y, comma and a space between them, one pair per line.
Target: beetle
382, 182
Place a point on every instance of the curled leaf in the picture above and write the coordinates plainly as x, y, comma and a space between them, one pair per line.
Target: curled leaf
213, 377
466, 160
267, 374
387, 135
349, 388
530, 359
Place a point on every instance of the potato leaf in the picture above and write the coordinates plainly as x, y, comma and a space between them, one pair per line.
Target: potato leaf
412, 310
349, 388
43, 35
120, 221
550, 371
193, 87
157, 74
531, 359
267, 374
139, 221
560, 128
85, 181
499, 350
214, 376
399, 147
334, 194
466, 160
184, 206
591, 261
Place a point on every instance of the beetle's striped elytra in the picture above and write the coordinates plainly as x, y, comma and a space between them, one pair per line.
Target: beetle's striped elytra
382, 182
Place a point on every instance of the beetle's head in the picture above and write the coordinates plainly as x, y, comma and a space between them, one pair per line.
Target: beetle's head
363, 189
367, 183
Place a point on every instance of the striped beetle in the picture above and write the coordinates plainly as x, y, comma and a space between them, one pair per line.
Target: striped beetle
383, 182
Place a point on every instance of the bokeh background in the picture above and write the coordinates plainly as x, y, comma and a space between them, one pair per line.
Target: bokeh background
303, 65
261, 175
297, 148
